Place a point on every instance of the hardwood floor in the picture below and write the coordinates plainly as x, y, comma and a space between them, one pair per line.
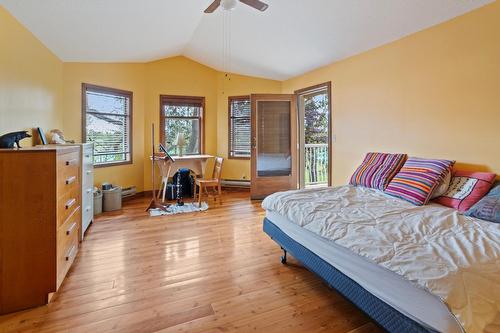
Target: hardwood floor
213, 271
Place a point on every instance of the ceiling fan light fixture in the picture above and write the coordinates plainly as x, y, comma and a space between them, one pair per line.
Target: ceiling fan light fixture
228, 4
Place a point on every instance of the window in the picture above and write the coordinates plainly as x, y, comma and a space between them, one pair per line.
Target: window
182, 114
239, 127
107, 123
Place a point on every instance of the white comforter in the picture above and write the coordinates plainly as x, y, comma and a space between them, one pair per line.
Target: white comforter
455, 257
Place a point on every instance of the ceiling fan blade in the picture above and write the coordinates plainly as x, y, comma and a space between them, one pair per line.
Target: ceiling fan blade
257, 4
213, 6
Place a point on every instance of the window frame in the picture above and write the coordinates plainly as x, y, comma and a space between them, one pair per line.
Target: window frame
114, 91
164, 99
230, 155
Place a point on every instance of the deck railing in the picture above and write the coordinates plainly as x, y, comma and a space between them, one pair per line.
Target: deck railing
316, 164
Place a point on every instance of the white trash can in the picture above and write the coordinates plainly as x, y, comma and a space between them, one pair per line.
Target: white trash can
112, 199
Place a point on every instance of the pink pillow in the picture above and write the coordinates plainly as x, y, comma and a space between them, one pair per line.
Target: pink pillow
466, 188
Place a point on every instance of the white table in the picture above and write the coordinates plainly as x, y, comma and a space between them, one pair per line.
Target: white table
196, 163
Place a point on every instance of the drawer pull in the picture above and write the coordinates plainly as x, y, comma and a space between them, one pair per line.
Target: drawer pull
70, 253
88, 190
87, 155
89, 172
70, 180
70, 229
72, 161
70, 203
87, 209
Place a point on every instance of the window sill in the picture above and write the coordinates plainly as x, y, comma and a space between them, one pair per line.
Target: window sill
98, 166
239, 158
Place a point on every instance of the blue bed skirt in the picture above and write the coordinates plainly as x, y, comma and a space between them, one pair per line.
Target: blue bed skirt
385, 315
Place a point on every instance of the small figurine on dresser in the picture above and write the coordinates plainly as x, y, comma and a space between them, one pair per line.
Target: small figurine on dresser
57, 137
8, 140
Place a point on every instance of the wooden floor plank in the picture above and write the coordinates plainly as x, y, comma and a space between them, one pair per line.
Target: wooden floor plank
213, 271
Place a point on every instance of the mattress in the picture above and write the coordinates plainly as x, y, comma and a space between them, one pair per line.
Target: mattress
425, 308
273, 165
442, 260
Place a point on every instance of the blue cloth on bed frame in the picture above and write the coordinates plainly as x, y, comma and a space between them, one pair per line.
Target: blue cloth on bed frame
385, 315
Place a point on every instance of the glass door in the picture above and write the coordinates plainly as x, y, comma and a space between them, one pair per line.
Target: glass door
314, 135
274, 144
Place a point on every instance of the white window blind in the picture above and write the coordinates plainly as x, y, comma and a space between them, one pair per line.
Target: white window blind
108, 124
239, 127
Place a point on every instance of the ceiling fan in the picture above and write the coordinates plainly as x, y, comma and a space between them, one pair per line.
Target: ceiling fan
230, 4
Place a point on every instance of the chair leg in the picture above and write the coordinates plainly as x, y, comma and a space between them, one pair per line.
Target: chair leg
220, 193
206, 193
194, 194
199, 195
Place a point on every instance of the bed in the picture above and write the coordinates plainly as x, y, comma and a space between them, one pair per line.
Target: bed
271, 165
411, 268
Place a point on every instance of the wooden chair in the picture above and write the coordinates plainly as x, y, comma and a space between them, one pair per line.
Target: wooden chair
213, 182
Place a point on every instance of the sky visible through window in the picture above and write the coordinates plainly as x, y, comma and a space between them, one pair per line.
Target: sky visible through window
107, 126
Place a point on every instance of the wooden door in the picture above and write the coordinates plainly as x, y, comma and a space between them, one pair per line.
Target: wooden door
274, 144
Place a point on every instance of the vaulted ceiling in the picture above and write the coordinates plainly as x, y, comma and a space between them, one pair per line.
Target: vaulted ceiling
290, 38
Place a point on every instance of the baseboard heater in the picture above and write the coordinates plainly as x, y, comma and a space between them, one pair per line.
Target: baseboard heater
235, 183
128, 192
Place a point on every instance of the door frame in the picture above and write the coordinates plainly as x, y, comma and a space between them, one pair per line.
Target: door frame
328, 86
276, 183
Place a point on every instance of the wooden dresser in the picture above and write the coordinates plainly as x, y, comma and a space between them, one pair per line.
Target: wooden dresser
40, 222
86, 183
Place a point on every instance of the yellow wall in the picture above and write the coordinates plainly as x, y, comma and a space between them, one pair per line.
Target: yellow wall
179, 76
121, 76
171, 76
433, 94
237, 85
37, 89
30, 81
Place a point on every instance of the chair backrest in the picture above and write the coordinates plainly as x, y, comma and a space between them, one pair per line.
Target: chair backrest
217, 173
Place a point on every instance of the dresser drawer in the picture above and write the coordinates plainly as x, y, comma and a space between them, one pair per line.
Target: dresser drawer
88, 153
66, 231
88, 177
87, 193
87, 205
68, 183
88, 157
69, 161
67, 203
68, 173
66, 255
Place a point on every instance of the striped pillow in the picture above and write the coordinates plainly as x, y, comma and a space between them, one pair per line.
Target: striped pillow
377, 170
417, 179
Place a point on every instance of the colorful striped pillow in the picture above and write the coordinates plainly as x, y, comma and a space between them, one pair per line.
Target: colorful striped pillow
377, 170
417, 179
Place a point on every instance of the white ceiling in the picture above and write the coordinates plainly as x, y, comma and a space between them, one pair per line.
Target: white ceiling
290, 38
